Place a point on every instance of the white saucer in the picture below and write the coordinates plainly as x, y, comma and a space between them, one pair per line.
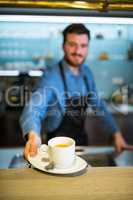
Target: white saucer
39, 162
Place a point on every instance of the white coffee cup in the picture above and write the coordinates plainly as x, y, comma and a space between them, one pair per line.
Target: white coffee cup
61, 151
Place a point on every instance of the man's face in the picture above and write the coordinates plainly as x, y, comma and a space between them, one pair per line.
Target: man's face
76, 48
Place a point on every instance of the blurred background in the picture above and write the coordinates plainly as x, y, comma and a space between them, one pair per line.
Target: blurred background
31, 41
26, 46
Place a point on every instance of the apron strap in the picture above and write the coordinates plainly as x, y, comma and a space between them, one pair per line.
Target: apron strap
86, 83
63, 79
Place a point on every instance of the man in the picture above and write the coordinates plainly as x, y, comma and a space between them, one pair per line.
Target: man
65, 96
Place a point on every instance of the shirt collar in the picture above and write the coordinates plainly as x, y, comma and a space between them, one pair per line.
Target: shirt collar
66, 67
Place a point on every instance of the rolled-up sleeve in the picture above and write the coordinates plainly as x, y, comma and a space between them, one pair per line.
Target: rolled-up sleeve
35, 110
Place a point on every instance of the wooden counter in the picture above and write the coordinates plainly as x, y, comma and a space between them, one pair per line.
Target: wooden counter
109, 183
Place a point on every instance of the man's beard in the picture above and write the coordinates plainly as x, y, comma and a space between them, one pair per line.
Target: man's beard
71, 63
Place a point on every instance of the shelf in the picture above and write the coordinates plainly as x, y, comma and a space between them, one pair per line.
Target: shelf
32, 73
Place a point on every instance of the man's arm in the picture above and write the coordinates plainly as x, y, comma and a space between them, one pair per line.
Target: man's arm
32, 116
120, 143
107, 119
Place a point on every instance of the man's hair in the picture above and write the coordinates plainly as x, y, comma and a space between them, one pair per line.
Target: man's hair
77, 29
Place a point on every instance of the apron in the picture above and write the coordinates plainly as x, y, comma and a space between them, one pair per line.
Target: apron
72, 124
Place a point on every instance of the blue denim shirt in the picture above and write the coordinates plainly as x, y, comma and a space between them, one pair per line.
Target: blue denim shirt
48, 100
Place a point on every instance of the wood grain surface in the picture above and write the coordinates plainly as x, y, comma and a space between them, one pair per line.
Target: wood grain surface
98, 183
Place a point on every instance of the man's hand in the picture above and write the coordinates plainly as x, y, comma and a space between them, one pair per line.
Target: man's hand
34, 141
120, 143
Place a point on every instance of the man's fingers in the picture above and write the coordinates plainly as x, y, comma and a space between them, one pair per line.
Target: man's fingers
129, 147
33, 150
118, 148
32, 145
30, 149
26, 150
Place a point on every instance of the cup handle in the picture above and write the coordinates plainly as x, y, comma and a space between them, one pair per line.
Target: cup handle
43, 149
